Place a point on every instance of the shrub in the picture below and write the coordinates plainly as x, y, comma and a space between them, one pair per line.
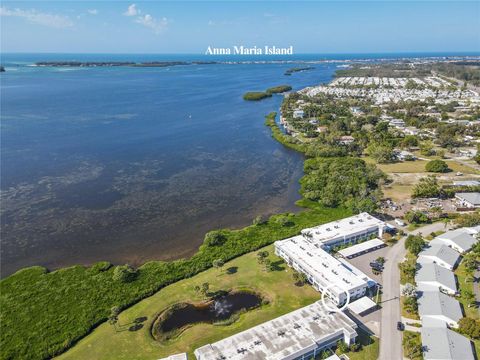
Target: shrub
214, 238
437, 166
469, 327
416, 217
427, 187
124, 273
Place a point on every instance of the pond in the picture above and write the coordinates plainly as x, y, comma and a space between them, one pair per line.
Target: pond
212, 311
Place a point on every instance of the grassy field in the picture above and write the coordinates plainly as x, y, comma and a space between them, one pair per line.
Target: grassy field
418, 166
45, 313
278, 286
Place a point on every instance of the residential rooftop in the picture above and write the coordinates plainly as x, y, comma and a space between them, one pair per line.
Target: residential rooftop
439, 251
430, 273
462, 238
332, 231
442, 343
437, 304
284, 337
320, 264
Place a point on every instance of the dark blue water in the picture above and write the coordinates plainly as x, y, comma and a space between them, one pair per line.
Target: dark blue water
132, 164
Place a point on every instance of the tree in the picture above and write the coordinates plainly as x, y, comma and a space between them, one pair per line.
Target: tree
409, 290
426, 148
427, 187
411, 305
410, 141
381, 152
124, 273
113, 317
267, 263
342, 346
380, 260
299, 278
259, 220
407, 269
205, 288
218, 264
214, 238
416, 217
469, 297
468, 220
261, 256
437, 166
469, 327
197, 289
414, 244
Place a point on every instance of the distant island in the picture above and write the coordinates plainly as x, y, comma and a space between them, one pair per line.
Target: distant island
260, 95
298, 69
119, 63
278, 89
256, 95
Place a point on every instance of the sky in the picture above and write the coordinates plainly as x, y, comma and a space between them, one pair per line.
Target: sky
190, 27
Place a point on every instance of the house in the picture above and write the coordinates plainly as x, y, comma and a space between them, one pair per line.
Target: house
439, 254
430, 277
322, 129
466, 183
468, 200
460, 240
325, 272
403, 155
298, 114
346, 140
300, 334
437, 305
441, 343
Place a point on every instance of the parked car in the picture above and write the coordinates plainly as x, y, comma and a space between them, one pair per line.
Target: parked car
400, 326
399, 222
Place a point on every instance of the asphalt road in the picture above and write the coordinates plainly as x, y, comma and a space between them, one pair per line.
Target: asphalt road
390, 337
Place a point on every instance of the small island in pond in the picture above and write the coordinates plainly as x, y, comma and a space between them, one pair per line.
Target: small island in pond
278, 89
256, 95
298, 69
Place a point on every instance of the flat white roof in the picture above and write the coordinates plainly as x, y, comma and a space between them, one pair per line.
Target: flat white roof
320, 264
182, 356
343, 228
361, 305
359, 248
283, 337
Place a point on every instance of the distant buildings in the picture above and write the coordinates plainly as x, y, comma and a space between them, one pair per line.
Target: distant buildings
298, 114
468, 200
301, 334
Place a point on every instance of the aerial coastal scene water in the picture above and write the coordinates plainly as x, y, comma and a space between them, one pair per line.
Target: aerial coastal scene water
134, 164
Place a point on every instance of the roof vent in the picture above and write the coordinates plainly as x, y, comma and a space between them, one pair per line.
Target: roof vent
281, 333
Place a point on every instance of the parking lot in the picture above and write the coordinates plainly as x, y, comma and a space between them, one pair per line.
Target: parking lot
362, 262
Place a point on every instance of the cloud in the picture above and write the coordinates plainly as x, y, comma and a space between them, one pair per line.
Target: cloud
132, 11
92, 11
150, 22
37, 17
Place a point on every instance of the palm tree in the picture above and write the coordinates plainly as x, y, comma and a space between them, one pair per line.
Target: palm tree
113, 317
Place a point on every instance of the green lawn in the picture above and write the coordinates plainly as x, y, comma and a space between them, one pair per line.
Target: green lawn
370, 347
418, 166
277, 286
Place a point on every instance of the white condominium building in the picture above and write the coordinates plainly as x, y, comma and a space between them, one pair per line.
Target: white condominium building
323, 270
344, 231
301, 334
